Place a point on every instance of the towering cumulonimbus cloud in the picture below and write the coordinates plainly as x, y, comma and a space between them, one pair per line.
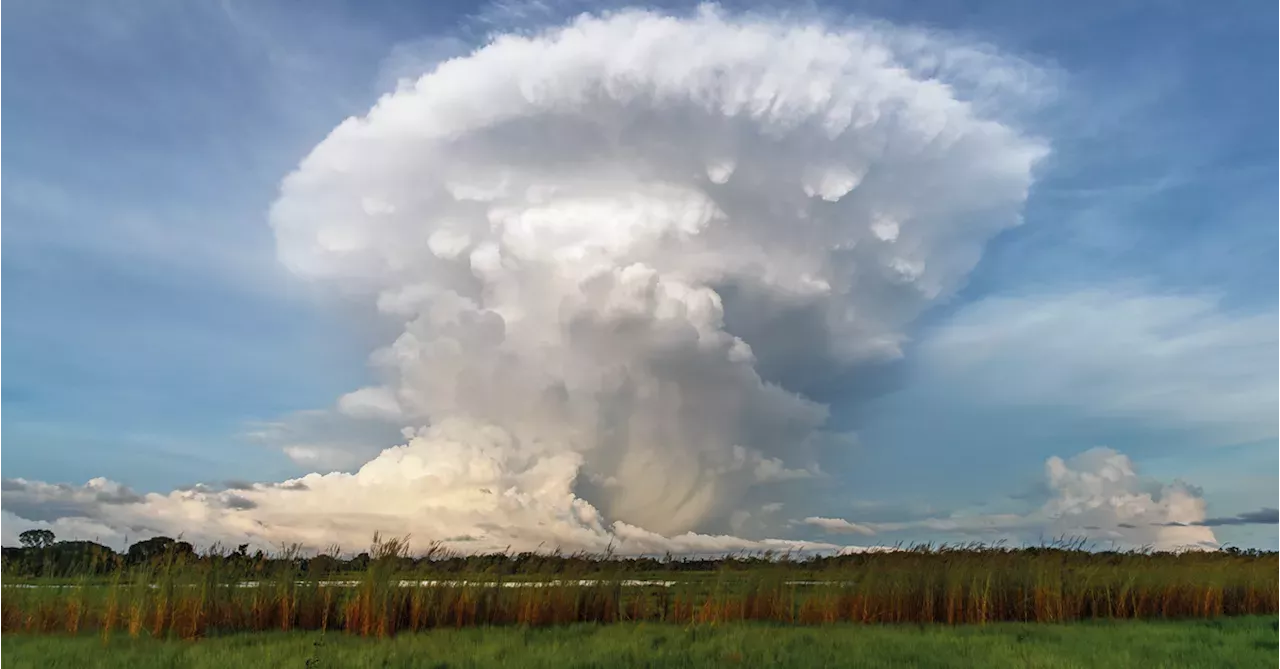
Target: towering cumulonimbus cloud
614, 243
618, 255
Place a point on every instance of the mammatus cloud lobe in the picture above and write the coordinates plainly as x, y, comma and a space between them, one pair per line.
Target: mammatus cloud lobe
563, 227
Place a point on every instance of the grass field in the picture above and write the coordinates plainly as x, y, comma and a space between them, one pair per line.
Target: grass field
1035, 607
192, 597
1235, 642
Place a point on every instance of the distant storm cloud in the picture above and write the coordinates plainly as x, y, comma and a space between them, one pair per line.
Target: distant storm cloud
1095, 495
612, 252
1101, 487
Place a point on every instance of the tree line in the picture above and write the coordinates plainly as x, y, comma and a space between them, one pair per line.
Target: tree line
42, 555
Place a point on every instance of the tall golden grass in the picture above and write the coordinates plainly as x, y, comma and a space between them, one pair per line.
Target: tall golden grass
189, 599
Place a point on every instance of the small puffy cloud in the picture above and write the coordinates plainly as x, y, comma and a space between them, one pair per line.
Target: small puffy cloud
838, 526
1096, 494
1101, 489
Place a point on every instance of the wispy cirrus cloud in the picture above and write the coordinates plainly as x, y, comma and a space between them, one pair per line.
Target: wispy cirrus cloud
1177, 360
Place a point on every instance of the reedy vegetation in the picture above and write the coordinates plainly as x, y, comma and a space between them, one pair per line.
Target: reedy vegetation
180, 594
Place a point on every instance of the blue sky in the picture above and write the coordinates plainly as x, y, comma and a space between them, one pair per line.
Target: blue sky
150, 328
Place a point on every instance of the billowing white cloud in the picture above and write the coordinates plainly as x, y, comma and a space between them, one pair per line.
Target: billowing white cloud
1179, 361
608, 247
1097, 495
471, 486
591, 235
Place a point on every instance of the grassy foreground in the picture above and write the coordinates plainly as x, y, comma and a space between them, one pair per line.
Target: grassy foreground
1233, 642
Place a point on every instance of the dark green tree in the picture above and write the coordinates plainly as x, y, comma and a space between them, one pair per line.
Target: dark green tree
145, 551
36, 539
